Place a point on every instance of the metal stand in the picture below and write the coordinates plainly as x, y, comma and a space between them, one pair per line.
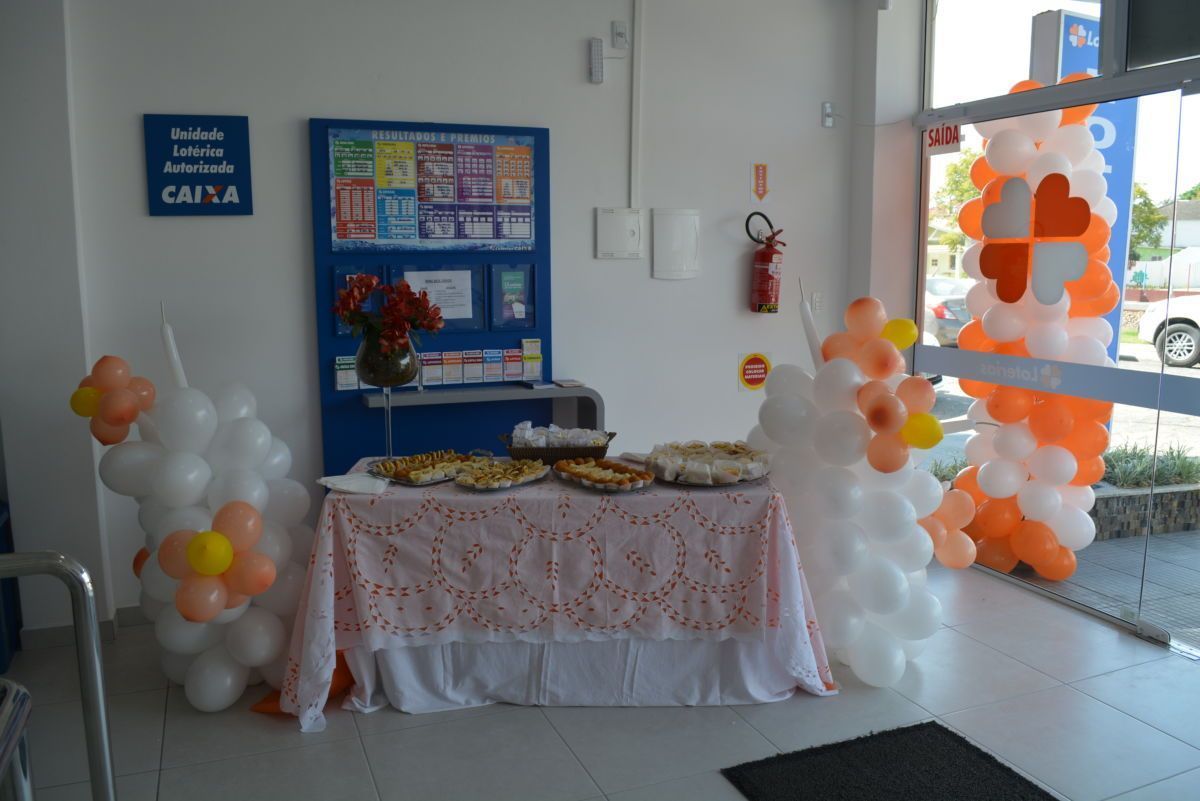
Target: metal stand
387, 420
87, 647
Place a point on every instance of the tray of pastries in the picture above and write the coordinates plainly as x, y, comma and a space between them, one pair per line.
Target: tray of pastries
707, 464
603, 475
497, 474
422, 469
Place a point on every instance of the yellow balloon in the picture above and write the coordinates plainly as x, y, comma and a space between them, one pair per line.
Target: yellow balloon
900, 332
921, 431
85, 401
210, 553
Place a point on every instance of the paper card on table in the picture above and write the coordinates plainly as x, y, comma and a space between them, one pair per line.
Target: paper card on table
493, 365
532, 367
452, 367
431, 369
472, 366
345, 375
512, 364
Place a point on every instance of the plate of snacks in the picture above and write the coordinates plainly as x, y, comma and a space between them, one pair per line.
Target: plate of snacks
423, 469
603, 475
707, 464
492, 475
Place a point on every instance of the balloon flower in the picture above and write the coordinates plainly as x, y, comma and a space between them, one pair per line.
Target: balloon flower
112, 398
1040, 260
867, 521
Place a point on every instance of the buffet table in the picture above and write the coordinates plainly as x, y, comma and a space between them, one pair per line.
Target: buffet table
553, 594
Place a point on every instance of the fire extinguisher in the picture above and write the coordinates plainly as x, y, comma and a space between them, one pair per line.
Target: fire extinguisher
767, 274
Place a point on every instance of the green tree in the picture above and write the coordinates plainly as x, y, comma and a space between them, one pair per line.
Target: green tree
1191, 194
1146, 223
956, 188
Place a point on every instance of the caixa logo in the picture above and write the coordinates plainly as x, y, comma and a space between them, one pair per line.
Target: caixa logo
1048, 376
221, 193
1080, 36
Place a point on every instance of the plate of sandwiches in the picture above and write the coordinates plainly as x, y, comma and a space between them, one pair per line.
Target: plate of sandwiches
603, 475
423, 469
707, 464
499, 474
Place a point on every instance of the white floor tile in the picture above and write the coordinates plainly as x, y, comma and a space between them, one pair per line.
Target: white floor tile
972, 595
1164, 693
191, 736
393, 720
623, 748
58, 749
1176, 788
947, 676
509, 756
1070, 741
1064, 643
804, 720
334, 771
50, 674
131, 664
709, 786
134, 787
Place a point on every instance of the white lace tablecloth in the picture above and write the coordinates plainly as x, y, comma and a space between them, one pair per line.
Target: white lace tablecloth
550, 562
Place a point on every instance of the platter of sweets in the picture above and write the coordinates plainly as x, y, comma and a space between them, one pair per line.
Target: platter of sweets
423, 469
497, 474
603, 475
707, 464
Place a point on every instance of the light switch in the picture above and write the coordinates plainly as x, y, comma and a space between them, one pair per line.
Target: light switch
619, 234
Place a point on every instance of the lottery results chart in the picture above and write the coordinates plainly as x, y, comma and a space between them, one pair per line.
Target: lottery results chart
430, 190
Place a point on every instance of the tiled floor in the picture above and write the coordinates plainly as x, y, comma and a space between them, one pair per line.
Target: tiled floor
1088, 711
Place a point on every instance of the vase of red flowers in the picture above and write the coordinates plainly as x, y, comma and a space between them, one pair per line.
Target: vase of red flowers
387, 356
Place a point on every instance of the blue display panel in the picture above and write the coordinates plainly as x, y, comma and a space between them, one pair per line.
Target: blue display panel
483, 201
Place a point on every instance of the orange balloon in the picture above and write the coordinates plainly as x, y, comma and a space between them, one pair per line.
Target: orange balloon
235, 599
1050, 420
145, 391
139, 561
1059, 568
87, 381
1097, 234
172, 554
251, 573
917, 394
879, 359
1010, 404
1086, 440
1103, 255
1015, 348
997, 517
956, 510
1089, 471
970, 218
996, 553
1024, 86
240, 522
971, 337
1095, 279
1034, 543
869, 392
110, 372
1100, 306
887, 453
118, 407
976, 389
1088, 408
107, 434
1076, 114
936, 530
967, 480
839, 346
865, 318
201, 598
982, 173
886, 415
958, 551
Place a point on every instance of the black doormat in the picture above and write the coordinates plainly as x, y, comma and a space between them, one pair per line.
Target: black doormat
926, 762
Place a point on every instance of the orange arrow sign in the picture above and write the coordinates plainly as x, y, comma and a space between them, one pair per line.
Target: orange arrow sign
760, 181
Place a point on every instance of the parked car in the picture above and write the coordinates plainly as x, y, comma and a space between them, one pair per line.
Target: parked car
1177, 339
946, 308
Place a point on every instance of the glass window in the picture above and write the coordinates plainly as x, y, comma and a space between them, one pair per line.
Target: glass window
1161, 31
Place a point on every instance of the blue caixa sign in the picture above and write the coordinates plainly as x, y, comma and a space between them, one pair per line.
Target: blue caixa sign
197, 164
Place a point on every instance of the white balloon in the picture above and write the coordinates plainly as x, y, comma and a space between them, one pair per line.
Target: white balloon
1053, 464
275, 543
911, 552
188, 518
792, 469
1095, 327
978, 448
876, 657
176, 665
1001, 478
186, 420
283, 596
1039, 501
838, 492
841, 437
182, 479
879, 586
256, 638
151, 607
278, 461
1009, 152
147, 430
977, 413
230, 615
150, 512
181, 636
287, 501
914, 648
1037, 312
128, 468
918, 578
1046, 340
1089, 185
841, 618
1040, 125
787, 419
215, 680
1004, 323
302, 542
845, 543
870, 478
1014, 441
274, 671
238, 485
979, 300
1074, 528
970, 261
836, 385
1107, 211
1085, 350
989, 128
1073, 141
157, 584
1093, 161
887, 515
1083, 498
241, 443
1045, 164
234, 401
924, 492
789, 379
919, 619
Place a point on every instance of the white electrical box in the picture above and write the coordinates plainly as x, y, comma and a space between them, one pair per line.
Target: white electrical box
619, 234
676, 243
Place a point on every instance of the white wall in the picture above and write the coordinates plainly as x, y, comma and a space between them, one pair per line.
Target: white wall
725, 84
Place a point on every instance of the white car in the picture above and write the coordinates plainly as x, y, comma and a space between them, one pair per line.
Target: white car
1177, 339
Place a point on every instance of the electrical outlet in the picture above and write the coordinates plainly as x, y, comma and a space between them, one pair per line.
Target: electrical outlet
620, 35
817, 299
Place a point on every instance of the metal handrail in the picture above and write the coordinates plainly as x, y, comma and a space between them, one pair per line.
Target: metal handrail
87, 647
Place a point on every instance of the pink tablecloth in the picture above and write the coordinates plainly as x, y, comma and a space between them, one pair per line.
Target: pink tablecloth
550, 562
